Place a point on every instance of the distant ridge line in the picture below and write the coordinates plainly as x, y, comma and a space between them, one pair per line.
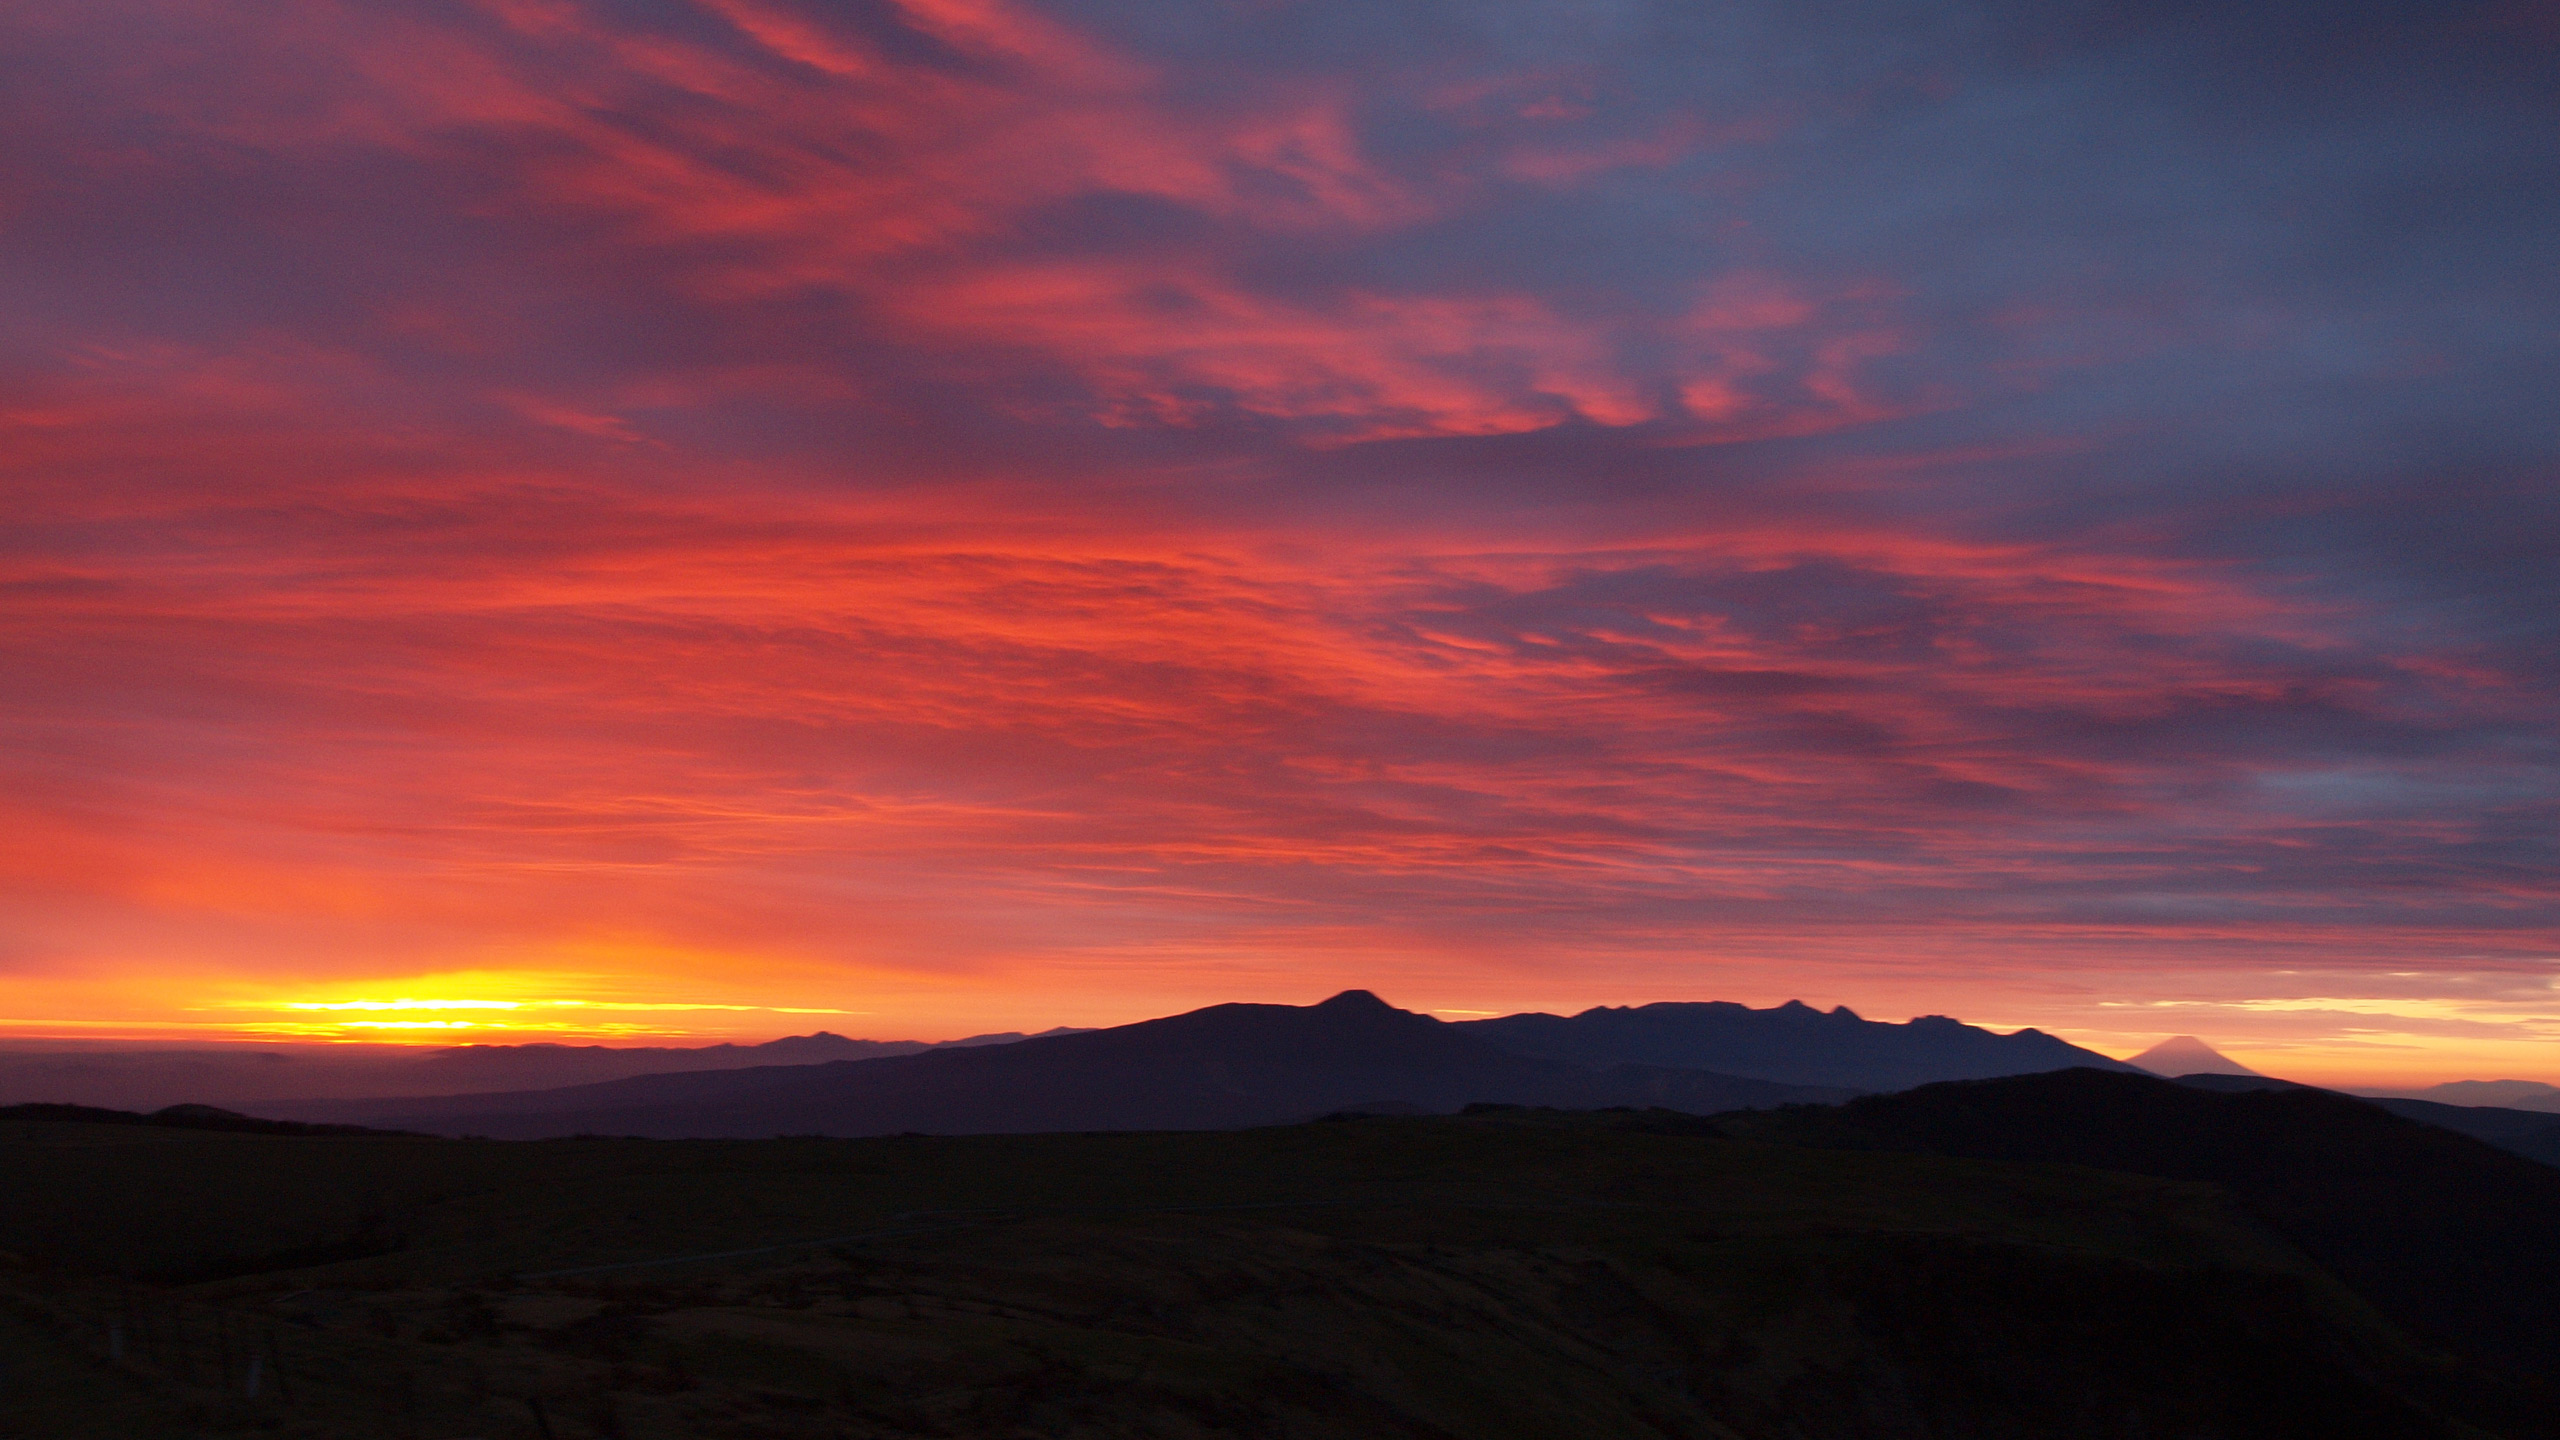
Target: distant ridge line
1226, 1066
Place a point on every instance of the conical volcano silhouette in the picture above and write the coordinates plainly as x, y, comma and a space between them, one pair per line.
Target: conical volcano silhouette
1354, 1000
2187, 1055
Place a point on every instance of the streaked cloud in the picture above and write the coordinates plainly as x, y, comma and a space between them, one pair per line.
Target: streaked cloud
941, 505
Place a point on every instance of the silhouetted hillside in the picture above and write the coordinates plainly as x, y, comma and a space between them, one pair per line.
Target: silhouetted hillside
1515, 1276
1794, 1043
2530, 1133
466, 1068
1228, 1065
2225, 1083
182, 1117
2509, 1094
2457, 1239
123, 1078
2533, 1134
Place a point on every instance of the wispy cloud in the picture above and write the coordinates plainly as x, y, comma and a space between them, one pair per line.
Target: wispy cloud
921, 501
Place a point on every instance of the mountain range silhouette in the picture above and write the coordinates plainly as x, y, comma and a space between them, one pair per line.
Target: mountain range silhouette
1793, 1042
1236, 1065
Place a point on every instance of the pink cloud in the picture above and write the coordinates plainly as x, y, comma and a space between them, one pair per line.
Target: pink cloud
803, 161
937, 497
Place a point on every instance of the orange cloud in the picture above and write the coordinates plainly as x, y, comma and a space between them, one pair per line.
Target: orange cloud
945, 510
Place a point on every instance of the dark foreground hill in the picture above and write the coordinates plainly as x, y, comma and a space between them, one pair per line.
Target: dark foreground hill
1225, 1066
1793, 1042
2455, 1239
2534, 1134
1510, 1276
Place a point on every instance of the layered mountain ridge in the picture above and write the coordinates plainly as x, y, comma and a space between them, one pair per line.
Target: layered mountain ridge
1218, 1068
2453, 1237
153, 1078
1245, 1064
1794, 1042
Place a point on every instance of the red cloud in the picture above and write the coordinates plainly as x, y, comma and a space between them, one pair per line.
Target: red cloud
799, 159
897, 497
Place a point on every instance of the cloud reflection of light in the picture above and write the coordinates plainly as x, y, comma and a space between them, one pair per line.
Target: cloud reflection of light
992, 515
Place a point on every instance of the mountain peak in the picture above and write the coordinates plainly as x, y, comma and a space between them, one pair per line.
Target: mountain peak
2187, 1055
1792, 1043
1354, 1000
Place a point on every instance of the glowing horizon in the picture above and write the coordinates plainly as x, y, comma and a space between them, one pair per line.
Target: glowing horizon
980, 515
2346, 1059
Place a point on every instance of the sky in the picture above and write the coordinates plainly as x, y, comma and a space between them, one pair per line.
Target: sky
650, 519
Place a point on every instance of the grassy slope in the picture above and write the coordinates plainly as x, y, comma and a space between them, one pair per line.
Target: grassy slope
1492, 1276
2456, 1239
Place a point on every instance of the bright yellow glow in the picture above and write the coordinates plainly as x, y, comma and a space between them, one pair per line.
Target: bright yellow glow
396, 1005
430, 1009
348, 1029
405, 1004
2397, 1008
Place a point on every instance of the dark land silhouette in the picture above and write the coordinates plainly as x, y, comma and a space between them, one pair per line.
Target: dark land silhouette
2187, 1055
1267, 1220
2452, 1237
2534, 1134
1265, 1064
2507, 1094
1792, 1042
151, 1078
1509, 1273
1225, 1066
180, 1117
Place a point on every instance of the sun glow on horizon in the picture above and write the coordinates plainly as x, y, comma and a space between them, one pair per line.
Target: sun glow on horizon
604, 1003
402, 1004
520, 1016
